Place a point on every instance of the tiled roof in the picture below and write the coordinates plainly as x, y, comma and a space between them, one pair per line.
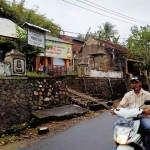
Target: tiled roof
115, 46
56, 39
73, 38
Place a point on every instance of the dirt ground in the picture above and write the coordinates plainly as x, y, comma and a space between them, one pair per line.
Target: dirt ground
31, 136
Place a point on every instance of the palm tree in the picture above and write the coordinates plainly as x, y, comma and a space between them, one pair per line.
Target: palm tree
107, 31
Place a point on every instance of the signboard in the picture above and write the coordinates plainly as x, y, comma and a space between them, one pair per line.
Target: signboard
58, 49
36, 38
19, 66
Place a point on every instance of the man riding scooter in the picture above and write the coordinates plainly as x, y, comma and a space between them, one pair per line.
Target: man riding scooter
134, 99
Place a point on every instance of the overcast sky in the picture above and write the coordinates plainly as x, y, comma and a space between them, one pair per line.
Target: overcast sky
78, 20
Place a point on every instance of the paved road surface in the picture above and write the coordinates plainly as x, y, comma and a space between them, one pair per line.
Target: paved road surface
93, 134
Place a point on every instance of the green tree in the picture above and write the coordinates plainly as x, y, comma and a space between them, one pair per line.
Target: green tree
21, 44
107, 31
139, 45
81, 37
16, 12
115, 40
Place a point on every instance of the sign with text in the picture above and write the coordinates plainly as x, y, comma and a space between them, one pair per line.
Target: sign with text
36, 38
58, 49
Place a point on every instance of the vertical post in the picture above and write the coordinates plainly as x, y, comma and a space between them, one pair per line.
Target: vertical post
98, 62
26, 42
73, 63
45, 64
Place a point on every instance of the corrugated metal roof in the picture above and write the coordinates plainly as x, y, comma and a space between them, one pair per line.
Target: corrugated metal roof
51, 38
7, 28
34, 26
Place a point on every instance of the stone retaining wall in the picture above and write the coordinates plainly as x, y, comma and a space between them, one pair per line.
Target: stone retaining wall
103, 88
19, 96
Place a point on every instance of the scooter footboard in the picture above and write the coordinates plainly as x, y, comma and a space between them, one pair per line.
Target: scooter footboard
124, 147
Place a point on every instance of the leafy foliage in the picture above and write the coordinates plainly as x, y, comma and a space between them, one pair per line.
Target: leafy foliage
21, 44
19, 14
106, 32
139, 45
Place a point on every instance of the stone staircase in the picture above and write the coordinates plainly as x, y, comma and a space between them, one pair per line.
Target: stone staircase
86, 101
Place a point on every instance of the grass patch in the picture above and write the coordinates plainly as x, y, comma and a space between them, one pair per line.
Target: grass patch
37, 74
72, 73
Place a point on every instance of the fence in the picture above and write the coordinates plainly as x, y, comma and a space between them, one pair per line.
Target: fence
57, 70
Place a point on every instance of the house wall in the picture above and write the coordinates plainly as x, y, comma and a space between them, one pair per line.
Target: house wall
76, 43
5, 69
109, 59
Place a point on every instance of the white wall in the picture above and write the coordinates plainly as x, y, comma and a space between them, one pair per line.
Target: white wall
5, 69
108, 74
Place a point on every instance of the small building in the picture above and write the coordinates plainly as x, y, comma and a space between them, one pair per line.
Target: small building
77, 44
56, 57
102, 58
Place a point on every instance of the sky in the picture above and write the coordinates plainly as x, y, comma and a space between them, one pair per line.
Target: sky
78, 16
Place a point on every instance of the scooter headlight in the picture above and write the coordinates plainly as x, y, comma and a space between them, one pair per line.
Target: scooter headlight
122, 139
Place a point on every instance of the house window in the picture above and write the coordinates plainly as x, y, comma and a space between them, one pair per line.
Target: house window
132, 69
1, 55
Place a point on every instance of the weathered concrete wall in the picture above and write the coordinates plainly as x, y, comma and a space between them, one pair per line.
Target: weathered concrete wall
103, 88
111, 60
19, 96
5, 69
109, 74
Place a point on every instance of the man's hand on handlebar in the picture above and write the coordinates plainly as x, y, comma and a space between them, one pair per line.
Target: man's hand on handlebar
112, 111
147, 111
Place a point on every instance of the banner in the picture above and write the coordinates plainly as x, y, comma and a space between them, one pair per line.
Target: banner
58, 49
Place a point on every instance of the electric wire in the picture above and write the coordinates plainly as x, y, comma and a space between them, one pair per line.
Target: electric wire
99, 13
121, 15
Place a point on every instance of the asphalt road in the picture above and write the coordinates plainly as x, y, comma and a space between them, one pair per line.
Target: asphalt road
93, 134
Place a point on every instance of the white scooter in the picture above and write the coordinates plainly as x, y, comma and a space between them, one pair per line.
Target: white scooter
126, 128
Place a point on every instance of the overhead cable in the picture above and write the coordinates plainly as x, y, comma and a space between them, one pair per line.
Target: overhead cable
116, 13
99, 13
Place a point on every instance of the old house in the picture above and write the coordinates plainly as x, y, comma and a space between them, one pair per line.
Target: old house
100, 57
77, 44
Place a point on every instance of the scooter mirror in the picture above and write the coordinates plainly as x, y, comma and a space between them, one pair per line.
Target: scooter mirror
147, 102
110, 103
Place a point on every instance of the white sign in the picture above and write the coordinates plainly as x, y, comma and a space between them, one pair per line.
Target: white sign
36, 38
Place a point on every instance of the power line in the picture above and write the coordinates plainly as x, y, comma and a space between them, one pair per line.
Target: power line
116, 12
72, 32
98, 12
